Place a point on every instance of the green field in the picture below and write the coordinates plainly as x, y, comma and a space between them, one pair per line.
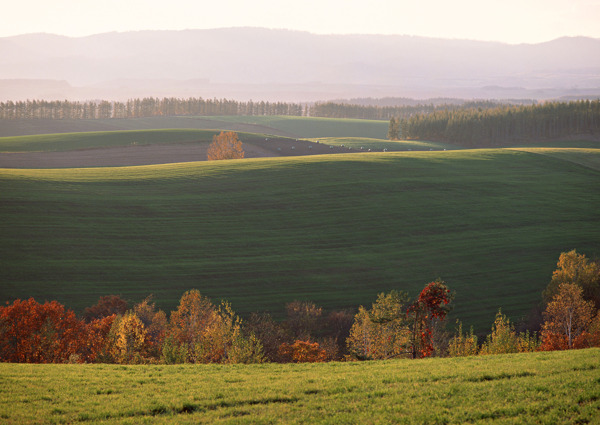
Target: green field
334, 229
311, 127
297, 127
545, 388
365, 143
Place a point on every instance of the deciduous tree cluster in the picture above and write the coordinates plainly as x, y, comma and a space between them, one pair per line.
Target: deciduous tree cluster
199, 331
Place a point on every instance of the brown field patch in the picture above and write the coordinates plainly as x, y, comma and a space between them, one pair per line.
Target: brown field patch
156, 154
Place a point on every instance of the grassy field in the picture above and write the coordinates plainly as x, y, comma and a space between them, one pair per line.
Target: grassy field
297, 127
544, 388
366, 143
311, 127
336, 229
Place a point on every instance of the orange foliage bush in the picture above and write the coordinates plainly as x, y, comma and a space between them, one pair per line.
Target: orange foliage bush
39, 333
303, 352
226, 145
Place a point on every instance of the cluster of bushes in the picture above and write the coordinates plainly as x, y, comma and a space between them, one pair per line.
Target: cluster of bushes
199, 331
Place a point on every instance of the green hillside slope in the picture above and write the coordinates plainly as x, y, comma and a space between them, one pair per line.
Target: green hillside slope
285, 126
547, 388
336, 229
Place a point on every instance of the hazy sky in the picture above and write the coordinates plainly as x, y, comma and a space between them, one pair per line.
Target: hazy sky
512, 21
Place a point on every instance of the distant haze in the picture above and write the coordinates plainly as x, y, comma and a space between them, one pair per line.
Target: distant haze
262, 64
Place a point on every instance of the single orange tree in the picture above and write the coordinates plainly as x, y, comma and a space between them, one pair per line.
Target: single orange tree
568, 316
225, 145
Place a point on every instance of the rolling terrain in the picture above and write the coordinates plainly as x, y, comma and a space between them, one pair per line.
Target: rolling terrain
333, 229
552, 387
284, 126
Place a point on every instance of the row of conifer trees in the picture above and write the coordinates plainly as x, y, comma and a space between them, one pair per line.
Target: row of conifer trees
501, 124
151, 107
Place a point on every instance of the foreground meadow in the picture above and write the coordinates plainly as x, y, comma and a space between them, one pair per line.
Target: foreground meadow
545, 388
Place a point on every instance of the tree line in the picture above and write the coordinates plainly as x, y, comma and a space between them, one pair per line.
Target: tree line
143, 108
500, 124
375, 112
199, 331
152, 107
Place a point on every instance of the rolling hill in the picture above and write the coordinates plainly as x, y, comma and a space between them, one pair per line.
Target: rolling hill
334, 229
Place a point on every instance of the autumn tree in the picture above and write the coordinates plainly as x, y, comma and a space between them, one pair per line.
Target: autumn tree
155, 324
31, 332
575, 269
567, 317
195, 313
382, 332
127, 339
96, 337
303, 352
429, 309
210, 334
223, 341
226, 145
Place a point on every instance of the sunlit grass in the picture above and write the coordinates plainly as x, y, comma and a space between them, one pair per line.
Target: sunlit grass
365, 143
556, 387
311, 127
584, 156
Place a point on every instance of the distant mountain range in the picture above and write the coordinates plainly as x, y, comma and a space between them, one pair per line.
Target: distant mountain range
262, 64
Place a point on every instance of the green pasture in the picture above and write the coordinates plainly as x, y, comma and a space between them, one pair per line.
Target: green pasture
333, 229
287, 126
312, 127
546, 388
366, 143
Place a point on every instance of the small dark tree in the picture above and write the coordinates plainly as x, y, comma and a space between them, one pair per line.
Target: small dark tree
270, 334
303, 319
394, 129
107, 306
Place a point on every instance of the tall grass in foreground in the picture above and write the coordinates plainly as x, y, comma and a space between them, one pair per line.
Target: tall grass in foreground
550, 387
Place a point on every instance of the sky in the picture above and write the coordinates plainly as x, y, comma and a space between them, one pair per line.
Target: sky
509, 21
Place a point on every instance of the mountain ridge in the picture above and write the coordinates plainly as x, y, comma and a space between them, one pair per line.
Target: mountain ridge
246, 62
